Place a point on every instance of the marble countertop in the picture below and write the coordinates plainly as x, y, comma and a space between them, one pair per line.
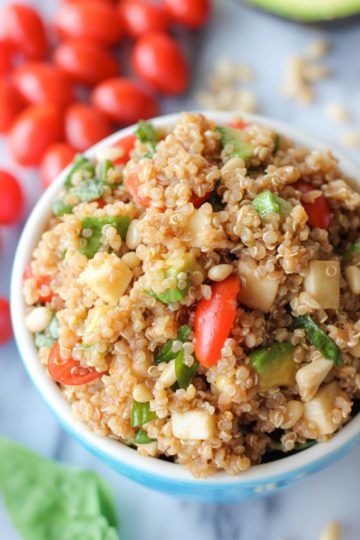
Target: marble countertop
300, 512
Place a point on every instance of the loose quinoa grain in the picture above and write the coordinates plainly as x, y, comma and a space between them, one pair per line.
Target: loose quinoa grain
114, 286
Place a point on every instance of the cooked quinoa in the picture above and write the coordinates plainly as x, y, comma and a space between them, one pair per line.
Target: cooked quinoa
198, 299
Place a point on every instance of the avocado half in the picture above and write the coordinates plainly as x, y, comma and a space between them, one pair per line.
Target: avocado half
310, 10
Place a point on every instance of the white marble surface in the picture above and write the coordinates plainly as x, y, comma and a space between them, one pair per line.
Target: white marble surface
300, 512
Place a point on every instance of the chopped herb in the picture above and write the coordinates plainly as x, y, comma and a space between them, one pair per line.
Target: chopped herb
184, 373
95, 225
88, 190
105, 166
147, 134
141, 414
63, 254
277, 143
321, 341
43, 339
267, 203
81, 163
166, 353
60, 207
235, 138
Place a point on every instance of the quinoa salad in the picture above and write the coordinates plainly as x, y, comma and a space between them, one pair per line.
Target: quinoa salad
196, 294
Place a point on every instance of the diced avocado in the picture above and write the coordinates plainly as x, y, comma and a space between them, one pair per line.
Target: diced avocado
274, 365
235, 137
176, 265
95, 225
308, 10
267, 203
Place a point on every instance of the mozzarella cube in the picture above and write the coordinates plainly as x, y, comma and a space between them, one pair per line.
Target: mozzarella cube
195, 424
107, 276
319, 409
256, 293
310, 377
323, 283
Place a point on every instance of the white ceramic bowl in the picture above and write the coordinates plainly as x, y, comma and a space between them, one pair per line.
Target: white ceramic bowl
155, 473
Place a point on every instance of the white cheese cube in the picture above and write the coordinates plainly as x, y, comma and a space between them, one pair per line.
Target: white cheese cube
310, 377
323, 283
107, 276
319, 409
256, 293
195, 424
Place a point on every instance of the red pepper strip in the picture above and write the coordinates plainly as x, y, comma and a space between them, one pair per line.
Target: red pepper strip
132, 183
214, 319
198, 201
318, 211
69, 372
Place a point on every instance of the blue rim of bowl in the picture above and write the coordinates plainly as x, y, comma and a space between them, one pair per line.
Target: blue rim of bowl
113, 451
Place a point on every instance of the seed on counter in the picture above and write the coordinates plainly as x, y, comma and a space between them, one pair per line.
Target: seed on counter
38, 319
336, 112
351, 139
331, 532
318, 48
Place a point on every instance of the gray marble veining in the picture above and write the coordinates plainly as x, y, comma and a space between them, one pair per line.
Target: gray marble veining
297, 513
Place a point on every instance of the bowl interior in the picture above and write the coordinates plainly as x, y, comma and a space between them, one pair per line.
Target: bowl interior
109, 448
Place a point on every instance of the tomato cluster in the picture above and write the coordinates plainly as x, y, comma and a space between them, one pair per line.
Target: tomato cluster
62, 88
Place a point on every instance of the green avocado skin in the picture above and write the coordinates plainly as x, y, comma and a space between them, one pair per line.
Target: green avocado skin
310, 10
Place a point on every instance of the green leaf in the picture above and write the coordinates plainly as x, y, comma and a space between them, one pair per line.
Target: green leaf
105, 166
60, 207
92, 246
141, 414
88, 190
43, 339
184, 373
166, 353
48, 501
321, 341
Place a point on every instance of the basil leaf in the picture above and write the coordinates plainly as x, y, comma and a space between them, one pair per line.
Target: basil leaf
48, 501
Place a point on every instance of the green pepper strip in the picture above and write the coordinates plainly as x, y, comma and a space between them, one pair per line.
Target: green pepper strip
141, 414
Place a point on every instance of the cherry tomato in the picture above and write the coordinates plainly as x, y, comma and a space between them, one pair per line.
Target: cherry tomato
90, 19
55, 159
23, 27
318, 211
69, 372
6, 53
11, 199
124, 101
214, 319
5, 321
33, 131
10, 105
38, 83
85, 125
132, 183
141, 17
238, 124
85, 61
42, 285
189, 13
158, 60
126, 144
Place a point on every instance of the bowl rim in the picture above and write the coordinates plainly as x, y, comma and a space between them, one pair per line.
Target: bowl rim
109, 448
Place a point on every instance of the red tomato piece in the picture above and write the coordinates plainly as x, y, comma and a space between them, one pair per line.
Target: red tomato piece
23, 27
126, 144
90, 19
158, 60
141, 17
189, 13
85, 125
38, 83
85, 61
42, 285
6, 54
318, 211
11, 104
11, 199
238, 124
123, 101
33, 131
69, 372
132, 183
5, 321
198, 201
214, 319
55, 159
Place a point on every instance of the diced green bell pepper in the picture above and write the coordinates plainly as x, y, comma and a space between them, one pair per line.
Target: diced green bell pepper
141, 414
184, 373
96, 224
